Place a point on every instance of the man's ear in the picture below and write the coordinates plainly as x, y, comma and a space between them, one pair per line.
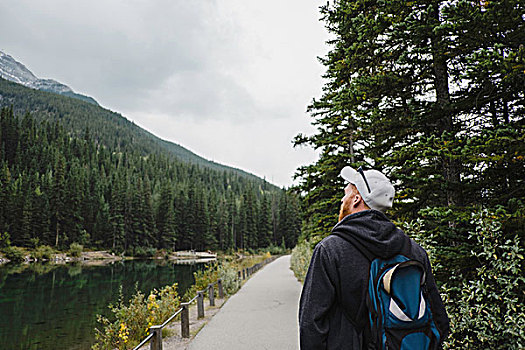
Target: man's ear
356, 200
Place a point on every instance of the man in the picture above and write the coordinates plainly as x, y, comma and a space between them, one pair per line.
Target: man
333, 313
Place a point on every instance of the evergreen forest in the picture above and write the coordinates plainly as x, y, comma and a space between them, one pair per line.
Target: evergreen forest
59, 188
106, 127
432, 93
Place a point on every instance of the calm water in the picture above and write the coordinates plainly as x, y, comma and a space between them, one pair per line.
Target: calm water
55, 306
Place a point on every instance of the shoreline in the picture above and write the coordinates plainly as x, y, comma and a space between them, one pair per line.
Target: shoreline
103, 257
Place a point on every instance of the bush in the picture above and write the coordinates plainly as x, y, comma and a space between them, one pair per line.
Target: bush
488, 312
5, 240
300, 259
203, 278
132, 321
230, 279
34, 242
276, 250
144, 252
75, 250
14, 254
43, 252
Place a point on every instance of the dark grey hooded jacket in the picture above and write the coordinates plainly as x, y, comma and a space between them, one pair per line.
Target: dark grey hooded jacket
332, 311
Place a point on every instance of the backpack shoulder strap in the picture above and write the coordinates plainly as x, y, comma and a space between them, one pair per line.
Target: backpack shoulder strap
368, 337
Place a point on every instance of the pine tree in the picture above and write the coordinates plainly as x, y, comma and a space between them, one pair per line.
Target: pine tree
117, 212
413, 90
167, 235
233, 222
182, 215
264, 225
74, 196
104, 229
58, 197
149, 229
250, 219
5, 196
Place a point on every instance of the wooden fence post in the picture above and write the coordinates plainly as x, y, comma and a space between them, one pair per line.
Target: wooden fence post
200, 305
221, 289
211, 292
185, 320
156, 341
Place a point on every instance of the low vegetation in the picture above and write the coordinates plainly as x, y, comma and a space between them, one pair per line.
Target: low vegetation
228, 274
43, 252
300, 259
130, 322
14, 254
487, 308
75, 250
203, 278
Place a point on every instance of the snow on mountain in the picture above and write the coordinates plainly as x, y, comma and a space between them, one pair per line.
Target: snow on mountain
15, 71
11, 69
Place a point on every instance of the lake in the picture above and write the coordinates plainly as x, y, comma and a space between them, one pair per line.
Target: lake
49, 306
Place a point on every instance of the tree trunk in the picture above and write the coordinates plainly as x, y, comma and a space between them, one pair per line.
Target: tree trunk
444, 112
56, 239
351, 140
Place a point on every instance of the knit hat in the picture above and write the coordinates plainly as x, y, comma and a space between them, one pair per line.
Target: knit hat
375, 188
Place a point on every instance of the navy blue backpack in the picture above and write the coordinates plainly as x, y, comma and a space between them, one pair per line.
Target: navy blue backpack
398, 307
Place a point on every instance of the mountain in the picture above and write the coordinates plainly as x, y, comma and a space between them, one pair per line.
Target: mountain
58, 189
11, 69
108, 128
74, 172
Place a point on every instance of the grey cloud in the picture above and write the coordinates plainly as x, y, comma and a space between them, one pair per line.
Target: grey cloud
227, 78
203, 94
131, 55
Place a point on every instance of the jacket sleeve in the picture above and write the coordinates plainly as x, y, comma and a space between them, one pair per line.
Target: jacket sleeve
436, 304
317, 298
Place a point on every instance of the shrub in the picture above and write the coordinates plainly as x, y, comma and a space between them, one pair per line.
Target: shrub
300, 259
230, 279
14, 254
227, 271
75, 250
34, 242
144, 252
5, 240
161, 254
203, 278
43, 252
133, 320
488, 312
276, 250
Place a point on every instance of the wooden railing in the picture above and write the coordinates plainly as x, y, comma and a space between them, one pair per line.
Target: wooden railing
155, 336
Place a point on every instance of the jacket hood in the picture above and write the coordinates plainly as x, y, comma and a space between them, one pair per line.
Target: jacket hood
374, 232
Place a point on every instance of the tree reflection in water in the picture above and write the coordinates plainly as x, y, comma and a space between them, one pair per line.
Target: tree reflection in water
54, 306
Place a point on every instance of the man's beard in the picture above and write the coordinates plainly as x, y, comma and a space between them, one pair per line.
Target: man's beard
345, 210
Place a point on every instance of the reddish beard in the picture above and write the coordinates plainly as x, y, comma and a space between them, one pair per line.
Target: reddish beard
345, 209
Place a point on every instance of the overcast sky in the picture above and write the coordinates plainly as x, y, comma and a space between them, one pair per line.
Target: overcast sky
228, 79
